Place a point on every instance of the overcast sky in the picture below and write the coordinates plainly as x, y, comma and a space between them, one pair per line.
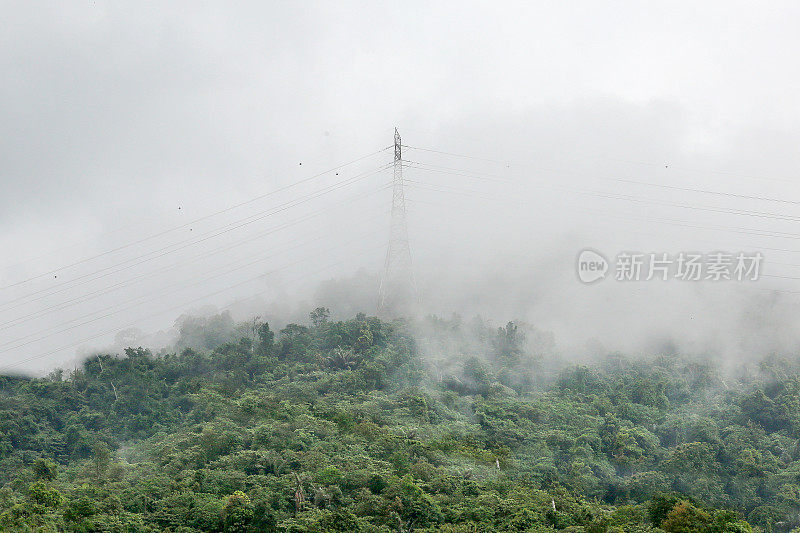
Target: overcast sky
122, 124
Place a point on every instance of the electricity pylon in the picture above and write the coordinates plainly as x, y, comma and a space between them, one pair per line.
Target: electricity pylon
397, 293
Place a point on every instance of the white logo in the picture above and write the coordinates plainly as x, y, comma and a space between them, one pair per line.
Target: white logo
591, 266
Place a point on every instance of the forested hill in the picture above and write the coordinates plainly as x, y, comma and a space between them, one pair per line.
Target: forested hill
361, 426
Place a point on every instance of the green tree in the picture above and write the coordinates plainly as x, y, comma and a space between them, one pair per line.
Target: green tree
266, 339
43, 494
238, 512
45, 469
685, 518
101, 458
319, 316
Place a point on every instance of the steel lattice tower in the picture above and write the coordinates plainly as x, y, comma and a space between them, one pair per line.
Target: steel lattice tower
397, 292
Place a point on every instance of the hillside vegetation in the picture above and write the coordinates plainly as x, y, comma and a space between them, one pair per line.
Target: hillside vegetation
360, 425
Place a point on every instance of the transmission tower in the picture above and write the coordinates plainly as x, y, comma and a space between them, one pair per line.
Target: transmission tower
397, 293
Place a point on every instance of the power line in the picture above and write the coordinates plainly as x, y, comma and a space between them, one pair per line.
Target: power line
706, 191
633, 198
260, 235
463, 156
457, 172
574, 173
662, 164
106, 290
133, 324
195, 221
114, 309
744, 231
209, 235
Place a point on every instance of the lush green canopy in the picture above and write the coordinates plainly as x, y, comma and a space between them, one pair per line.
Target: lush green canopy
359, 425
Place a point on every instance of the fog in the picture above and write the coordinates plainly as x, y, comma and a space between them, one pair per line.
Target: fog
187, 160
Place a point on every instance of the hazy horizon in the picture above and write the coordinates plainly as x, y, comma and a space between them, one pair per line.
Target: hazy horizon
165, 159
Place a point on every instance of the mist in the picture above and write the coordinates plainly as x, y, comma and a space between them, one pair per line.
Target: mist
163, 164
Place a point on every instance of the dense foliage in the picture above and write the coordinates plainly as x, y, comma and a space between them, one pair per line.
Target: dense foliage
361, 426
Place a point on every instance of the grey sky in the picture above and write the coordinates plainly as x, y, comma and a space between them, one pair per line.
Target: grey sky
120, 120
